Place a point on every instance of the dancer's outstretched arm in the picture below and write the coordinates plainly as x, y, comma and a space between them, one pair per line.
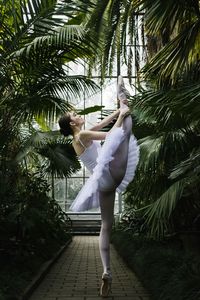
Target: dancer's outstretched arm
88, 135
105, 121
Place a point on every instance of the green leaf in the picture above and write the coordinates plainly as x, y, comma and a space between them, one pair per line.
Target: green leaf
158, 214
91, 109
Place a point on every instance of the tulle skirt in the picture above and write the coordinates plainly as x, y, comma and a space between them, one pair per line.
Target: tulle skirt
88, 197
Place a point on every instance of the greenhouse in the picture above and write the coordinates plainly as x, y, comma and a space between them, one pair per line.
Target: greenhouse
99, 156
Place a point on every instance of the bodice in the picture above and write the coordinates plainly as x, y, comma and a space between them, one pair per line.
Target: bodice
89, 156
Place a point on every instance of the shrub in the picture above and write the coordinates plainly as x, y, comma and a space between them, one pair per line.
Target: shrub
166, 271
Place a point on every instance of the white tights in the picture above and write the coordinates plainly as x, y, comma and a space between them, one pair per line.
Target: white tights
107, 199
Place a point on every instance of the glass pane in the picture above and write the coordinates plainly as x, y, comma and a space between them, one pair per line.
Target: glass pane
74, 185
130, 63
67, 190
113, 67
96, 71
93, 100
60, 189
109, 94
130, 40
92, 119
76, 68
141, 56
79, 103
95, 97
87, 173
140, 30
79, 173
116, 207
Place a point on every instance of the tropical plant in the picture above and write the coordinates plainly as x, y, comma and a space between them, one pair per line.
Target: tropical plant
119, 31
39, 40
166, 107
169, 105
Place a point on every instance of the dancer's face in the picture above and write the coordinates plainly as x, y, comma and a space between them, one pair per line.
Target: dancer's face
76, 119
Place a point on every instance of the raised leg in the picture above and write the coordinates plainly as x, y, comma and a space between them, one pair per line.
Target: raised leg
119, 162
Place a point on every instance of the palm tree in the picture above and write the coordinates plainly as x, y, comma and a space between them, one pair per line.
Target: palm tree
170, 106
116, 24
38, 41
168, 154
166, 108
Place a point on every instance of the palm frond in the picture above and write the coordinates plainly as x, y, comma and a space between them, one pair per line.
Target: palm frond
62, 160
157, 214
56, 39
49, 149
111, 21
172, 108
160, 15
150, 152
32, 139
188, 168
176, 55
61, 38
91, 109
49, 97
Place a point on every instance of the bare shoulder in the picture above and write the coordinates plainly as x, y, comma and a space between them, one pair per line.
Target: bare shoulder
92, 135
85, 135
80, 142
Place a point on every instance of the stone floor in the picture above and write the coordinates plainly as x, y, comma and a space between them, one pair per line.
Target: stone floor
77, 275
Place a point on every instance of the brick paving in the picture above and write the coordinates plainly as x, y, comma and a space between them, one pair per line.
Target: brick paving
77, 275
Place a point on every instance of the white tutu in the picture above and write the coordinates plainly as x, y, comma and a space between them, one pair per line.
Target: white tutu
88, 197
133, 159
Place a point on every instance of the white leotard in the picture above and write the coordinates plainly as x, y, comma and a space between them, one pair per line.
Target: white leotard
89, 159
89, 156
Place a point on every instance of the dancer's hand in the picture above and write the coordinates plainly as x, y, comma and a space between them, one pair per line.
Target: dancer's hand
124, 111
125, 101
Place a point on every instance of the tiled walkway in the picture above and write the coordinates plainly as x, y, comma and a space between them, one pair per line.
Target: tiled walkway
77, 275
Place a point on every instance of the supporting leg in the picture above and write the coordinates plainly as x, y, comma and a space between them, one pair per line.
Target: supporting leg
106, 200
117, 169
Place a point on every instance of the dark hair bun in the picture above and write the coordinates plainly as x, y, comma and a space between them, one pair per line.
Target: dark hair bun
64, 123
65, 132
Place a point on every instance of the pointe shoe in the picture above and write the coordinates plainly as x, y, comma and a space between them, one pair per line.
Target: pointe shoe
122, 92
106, 285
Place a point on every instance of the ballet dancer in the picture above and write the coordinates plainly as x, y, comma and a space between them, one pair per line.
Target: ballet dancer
112, 167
